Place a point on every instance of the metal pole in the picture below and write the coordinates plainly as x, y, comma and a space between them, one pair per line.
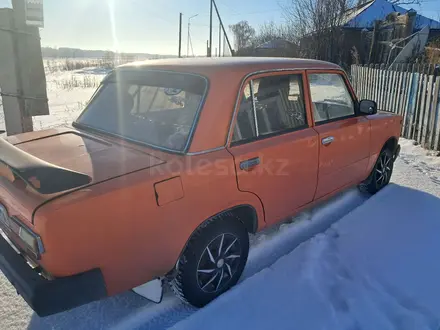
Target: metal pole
180, 35
210, 30
220, 40
192, 49
189, 34
223, 27
187, 41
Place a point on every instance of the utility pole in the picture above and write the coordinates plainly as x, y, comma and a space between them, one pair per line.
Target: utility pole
180, 35
223, 27
189, 34
219, 40
210, 30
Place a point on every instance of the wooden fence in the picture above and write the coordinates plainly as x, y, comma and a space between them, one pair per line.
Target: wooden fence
408, 90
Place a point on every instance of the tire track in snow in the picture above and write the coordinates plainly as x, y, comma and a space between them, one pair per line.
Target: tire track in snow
431, 172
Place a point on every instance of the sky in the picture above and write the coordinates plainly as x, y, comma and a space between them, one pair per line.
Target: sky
151, 26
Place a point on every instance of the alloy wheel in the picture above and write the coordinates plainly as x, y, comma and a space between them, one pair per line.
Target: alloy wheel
383, 170
219, 263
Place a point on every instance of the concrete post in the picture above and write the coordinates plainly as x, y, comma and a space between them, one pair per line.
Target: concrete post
16, 119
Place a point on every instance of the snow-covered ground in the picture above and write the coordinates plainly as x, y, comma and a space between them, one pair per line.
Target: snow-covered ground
68, 92
354, 273
376, 268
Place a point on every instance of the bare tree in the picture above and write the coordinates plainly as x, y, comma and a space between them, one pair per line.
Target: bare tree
271, 31
243, 34
318, 26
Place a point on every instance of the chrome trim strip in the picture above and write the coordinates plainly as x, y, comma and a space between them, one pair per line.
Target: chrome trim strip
204, 151
254, 109
228, 140
197, 115
202, 103
105, 133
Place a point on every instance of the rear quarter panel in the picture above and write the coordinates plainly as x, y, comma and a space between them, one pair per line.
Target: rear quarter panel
119, 227
384, 126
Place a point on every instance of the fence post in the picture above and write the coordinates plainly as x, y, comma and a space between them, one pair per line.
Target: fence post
386, 87
420, 77
422, 107
353, 75
436, 144
400, 91
433, 112
391, 101
381, 89
413, 104
425, 128
364, 81
408, 87
412, 98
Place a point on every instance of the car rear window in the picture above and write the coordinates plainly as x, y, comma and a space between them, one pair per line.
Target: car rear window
153, 107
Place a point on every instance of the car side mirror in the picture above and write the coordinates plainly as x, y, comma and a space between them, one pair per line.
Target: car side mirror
368, 107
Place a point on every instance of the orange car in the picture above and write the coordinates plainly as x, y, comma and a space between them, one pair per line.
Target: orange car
170, 167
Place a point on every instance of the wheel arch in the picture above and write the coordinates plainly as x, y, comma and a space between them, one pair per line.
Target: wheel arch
246, 213
390, 144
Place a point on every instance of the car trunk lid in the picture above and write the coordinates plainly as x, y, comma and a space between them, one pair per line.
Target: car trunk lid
60, 161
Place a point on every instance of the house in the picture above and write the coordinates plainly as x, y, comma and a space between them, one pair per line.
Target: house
364, 16
375, 28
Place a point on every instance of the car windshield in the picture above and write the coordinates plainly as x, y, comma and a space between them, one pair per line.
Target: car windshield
153, 107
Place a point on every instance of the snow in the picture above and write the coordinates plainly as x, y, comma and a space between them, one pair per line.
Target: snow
301, 272
68, 93
370, 270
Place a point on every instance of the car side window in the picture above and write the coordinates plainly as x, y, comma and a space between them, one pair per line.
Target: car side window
245, 126
330, 97
279, 103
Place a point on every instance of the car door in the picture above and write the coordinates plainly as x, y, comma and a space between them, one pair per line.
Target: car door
344, 135
275, 149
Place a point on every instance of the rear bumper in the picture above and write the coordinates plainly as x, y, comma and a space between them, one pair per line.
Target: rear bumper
49, 297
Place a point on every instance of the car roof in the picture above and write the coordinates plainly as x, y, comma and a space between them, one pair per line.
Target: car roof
225, 76
244, 64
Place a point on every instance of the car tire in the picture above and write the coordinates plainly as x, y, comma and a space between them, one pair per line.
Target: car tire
212, 261
381, 173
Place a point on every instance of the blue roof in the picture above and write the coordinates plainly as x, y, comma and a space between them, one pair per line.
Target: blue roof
364, 16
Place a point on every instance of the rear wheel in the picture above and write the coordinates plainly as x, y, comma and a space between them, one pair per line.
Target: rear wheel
213, 260
382, 171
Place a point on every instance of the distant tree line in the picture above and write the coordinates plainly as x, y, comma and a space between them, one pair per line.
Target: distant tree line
66, 52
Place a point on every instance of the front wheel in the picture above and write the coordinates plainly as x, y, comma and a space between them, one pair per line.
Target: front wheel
213, 260
382, 171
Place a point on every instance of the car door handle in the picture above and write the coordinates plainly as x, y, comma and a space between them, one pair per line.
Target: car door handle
249, 164
328, 140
